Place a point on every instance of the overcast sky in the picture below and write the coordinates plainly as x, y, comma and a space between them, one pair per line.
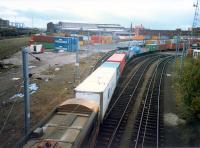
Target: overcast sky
154, 14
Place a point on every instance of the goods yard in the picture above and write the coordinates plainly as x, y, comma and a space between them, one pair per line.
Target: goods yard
90, 85
118, 103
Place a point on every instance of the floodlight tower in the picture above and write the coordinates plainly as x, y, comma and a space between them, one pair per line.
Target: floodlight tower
196, 20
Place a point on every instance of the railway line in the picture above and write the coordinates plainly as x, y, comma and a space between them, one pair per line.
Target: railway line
111, 129
102, 59
148, 126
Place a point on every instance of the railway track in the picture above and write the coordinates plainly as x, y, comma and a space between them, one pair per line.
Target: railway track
149, 122
129, 71
127, 74
102, 59
118, 111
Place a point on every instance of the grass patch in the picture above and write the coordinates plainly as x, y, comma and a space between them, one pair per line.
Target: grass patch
10, 46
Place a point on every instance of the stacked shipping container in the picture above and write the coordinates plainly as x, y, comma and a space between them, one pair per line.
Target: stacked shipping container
46, 41
66, 43
101, 39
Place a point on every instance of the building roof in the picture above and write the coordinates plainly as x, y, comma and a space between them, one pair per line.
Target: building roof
90, 27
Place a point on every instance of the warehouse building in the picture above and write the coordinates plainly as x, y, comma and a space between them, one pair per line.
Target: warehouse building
84, 28
4, 23
140, 30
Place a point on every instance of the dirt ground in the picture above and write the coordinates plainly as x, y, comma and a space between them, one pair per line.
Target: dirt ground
55, 81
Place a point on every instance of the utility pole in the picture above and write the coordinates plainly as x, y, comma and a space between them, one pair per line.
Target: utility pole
77, 65
182, 58
130, 35
177, 42
88, 47
26, 90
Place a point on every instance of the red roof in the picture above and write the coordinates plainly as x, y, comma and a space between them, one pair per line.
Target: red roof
117, 57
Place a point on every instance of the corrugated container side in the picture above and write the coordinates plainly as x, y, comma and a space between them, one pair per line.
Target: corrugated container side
115, 65
66, 43
140, 37
46, 45
152, 47
42, 38
99, 87
118, 58
154, 37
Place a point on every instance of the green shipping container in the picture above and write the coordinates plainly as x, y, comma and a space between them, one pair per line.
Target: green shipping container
46, 45
152, 47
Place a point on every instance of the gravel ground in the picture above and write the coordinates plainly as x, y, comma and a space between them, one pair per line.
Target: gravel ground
171, 120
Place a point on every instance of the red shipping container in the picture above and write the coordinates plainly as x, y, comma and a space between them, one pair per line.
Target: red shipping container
42, 38
96, 39
120, 58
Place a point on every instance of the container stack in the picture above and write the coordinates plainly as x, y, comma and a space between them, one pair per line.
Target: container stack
84, 40
106, 39
46, 41
96, 39
66, 43
140, 37
101, 39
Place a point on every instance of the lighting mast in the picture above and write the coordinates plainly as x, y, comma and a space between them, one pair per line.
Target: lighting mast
196, 19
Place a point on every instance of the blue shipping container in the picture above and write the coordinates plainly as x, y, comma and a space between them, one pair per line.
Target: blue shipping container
113, 65
66, 43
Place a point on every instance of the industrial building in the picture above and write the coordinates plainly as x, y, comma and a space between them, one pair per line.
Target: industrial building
140, 30
8, 24
4, 23
84, 28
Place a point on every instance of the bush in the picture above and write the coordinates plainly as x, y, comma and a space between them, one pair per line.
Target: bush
188, 87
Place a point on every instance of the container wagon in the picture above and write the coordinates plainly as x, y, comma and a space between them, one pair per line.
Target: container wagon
73, 124
114, 65
98, 87
121, 58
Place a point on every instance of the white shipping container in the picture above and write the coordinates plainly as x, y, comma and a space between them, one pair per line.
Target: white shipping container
99, 87
85, 38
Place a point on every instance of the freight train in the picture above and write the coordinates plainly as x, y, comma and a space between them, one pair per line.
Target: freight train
75, 123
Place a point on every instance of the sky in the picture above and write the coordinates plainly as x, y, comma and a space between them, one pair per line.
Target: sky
153, 14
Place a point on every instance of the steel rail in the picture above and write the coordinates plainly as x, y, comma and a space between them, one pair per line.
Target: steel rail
151, 84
